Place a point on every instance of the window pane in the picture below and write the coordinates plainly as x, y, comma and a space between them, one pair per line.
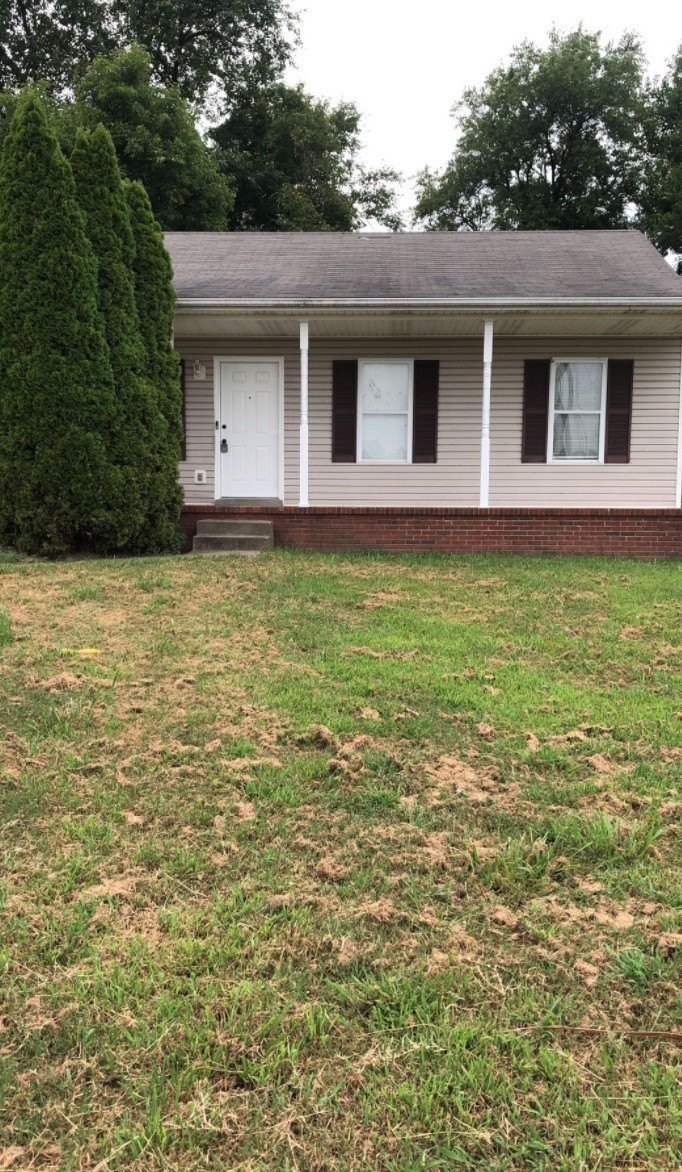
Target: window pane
576, 437
385, 386
578, 386
384, 437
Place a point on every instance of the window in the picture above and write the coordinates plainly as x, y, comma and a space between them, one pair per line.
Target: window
577, 404
385, 414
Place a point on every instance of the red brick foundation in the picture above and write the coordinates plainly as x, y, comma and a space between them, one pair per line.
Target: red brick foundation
654, 533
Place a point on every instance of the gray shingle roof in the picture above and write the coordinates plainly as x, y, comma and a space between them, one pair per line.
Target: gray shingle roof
293, 266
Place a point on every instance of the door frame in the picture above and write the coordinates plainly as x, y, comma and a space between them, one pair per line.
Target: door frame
261, 359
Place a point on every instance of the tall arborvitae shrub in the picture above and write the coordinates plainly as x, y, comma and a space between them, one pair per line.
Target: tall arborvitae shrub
59, 489
155, 298
99, 188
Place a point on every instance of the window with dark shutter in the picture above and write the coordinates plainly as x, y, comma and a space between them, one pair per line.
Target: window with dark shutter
535, 410
425, 412
344, 411
618, 410
183, 442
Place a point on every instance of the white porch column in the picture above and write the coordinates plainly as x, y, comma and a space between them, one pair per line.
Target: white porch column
484, 494
303, 450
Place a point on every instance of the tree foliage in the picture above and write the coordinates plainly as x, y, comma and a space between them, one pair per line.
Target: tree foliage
59, 488
155, 298
156, 141
551, 140
661, 199
197, 43
50, 41
147, 68
194, 44
294, 165
102, 199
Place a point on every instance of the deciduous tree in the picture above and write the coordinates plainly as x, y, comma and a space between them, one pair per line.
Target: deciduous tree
194, 44
156, 141
51, 41
661, 199
197, 43
294, 165
551, 140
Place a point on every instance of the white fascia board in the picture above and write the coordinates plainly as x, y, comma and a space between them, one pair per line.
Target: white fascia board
478, 304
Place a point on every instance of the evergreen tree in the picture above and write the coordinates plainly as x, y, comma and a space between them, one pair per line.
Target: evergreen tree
99, 188
59, 490
155, 305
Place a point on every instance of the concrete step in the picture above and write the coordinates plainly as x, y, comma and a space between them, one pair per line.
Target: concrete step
262, 502
230, 544
210, 527
225, 553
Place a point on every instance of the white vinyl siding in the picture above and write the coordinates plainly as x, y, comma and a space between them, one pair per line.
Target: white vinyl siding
648, 481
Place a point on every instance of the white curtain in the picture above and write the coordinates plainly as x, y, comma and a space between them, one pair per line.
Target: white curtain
576, 437
577, 410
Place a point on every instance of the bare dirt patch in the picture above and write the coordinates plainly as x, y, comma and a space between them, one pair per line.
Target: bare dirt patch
332, 870
450, 776
589, 973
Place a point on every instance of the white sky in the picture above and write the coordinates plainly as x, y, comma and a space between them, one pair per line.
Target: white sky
405, 62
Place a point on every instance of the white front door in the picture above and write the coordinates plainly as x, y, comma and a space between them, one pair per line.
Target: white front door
248, 430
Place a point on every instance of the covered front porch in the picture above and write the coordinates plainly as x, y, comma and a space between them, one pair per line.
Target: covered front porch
480, 459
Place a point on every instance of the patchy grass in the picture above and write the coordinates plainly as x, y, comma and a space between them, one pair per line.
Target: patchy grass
5, 629
340, 862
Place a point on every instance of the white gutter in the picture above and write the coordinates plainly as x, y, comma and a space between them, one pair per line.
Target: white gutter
450, 303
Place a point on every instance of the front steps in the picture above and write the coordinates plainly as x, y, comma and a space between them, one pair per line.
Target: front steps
243, 538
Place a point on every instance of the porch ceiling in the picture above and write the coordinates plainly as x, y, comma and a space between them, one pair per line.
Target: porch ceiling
583, 320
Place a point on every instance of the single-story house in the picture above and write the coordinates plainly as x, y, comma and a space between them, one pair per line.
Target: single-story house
414, 391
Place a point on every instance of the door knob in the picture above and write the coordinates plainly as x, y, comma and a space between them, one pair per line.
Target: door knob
223, 445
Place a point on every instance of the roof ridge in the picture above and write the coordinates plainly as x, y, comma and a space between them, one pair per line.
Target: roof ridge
419, 235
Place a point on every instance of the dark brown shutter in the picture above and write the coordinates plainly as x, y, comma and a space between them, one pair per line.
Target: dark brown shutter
535, 410
344, 411
618, 410
425, 412
183, 442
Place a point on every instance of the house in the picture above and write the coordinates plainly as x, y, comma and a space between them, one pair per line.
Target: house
413, 391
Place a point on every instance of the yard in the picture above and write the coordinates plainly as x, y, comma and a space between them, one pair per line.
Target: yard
318, 863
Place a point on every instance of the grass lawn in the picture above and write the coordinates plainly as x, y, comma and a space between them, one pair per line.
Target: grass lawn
318, 863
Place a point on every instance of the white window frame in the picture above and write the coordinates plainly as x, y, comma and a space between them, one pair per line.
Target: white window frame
409, 363
551, 458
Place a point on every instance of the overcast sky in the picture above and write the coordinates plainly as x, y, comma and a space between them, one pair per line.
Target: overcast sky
405, 62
